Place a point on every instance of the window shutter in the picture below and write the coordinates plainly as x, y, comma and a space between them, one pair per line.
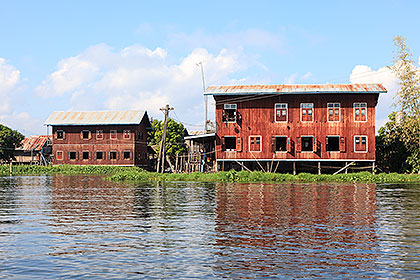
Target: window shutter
239, 144
273, 144
224, 116
314, 146
90, 135
288, 146
81, 134
326, 140
342, 144
223, 144
298, 144
77, 155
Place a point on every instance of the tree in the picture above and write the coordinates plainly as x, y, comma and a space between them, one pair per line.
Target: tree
408, 101
175, 133
9, 141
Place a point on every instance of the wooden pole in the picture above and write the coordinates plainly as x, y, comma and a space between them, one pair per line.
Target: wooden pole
11, 168
319, 168
294, 168
162, 150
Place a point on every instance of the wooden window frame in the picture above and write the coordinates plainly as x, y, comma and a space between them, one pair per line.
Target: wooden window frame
123, 154
56, 134
275, 112
76, 157
99, 135
354, 144
96, 155
62, 155
301, 144
116, 155
249, 143
333, 108
113, 132
301, 112
229, 106
236, 143
339, 141
82, 134
360, 107
126, 132
287, 144
83, 155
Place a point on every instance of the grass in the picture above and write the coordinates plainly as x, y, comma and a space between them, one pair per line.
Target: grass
257, 176
66, 169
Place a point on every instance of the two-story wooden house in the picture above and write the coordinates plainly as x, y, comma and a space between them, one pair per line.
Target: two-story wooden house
262, 126
100, 137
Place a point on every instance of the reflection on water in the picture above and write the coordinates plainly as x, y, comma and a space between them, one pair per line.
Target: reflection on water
84, 227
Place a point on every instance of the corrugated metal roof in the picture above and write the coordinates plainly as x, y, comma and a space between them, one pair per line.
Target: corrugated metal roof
96, 118
295, 89
34, 143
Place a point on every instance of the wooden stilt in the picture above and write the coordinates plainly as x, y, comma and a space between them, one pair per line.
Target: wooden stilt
319, 168
294, 168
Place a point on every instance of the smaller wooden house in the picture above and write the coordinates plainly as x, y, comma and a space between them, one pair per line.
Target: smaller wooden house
100, 137
34, 150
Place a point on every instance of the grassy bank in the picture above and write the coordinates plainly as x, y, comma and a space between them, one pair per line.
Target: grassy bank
256, 176
65, 169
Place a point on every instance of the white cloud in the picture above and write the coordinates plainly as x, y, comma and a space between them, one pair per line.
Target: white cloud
365, 74
140, 78
9, 81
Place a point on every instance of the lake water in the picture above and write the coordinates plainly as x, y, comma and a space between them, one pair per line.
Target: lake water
81, 227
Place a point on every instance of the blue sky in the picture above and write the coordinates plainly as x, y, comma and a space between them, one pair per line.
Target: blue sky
104, 55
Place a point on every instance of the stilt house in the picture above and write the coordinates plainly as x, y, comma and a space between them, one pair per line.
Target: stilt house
100, 137
276, 127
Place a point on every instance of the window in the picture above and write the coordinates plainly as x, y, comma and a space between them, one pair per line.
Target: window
99, 155
332, 143
99, 134
307, 143
59, 134
126, 134
360, 112
73, 155
85, 134
59, 155
230, 143
113, 134
126, 154
280, 143
113, 155
280, 112
229, 112
306, 110
333, 112
255, 143
85, 155
360, 144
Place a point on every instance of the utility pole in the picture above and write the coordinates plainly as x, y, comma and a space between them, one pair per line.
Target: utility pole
162, 150
205, 97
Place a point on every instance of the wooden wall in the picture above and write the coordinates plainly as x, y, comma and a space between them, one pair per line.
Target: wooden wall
257, 119
137, 145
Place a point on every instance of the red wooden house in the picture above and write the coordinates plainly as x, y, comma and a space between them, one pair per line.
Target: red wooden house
100, 137
262, 126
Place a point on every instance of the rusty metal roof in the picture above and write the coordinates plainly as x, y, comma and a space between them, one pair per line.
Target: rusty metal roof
96, 118
34, 143
295, 89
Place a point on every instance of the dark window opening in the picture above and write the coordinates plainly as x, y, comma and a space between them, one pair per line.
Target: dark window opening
85, 134
307, 143
333, 144
126, 155
229, 113
85, 155
60, 134
99, 155
230, 143
113, 155
73, 155
281, 144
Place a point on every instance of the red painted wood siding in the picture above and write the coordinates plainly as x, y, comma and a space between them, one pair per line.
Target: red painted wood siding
73, 142
257, 117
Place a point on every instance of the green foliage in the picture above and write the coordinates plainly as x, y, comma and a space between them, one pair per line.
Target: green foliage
258, 176
175, 133
65, 169
398, 143
9, 140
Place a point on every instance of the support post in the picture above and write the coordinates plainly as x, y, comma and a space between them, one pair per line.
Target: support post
11, 168
373, 167
162, 149
176, 164
294, 168
346, 168
319, 168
